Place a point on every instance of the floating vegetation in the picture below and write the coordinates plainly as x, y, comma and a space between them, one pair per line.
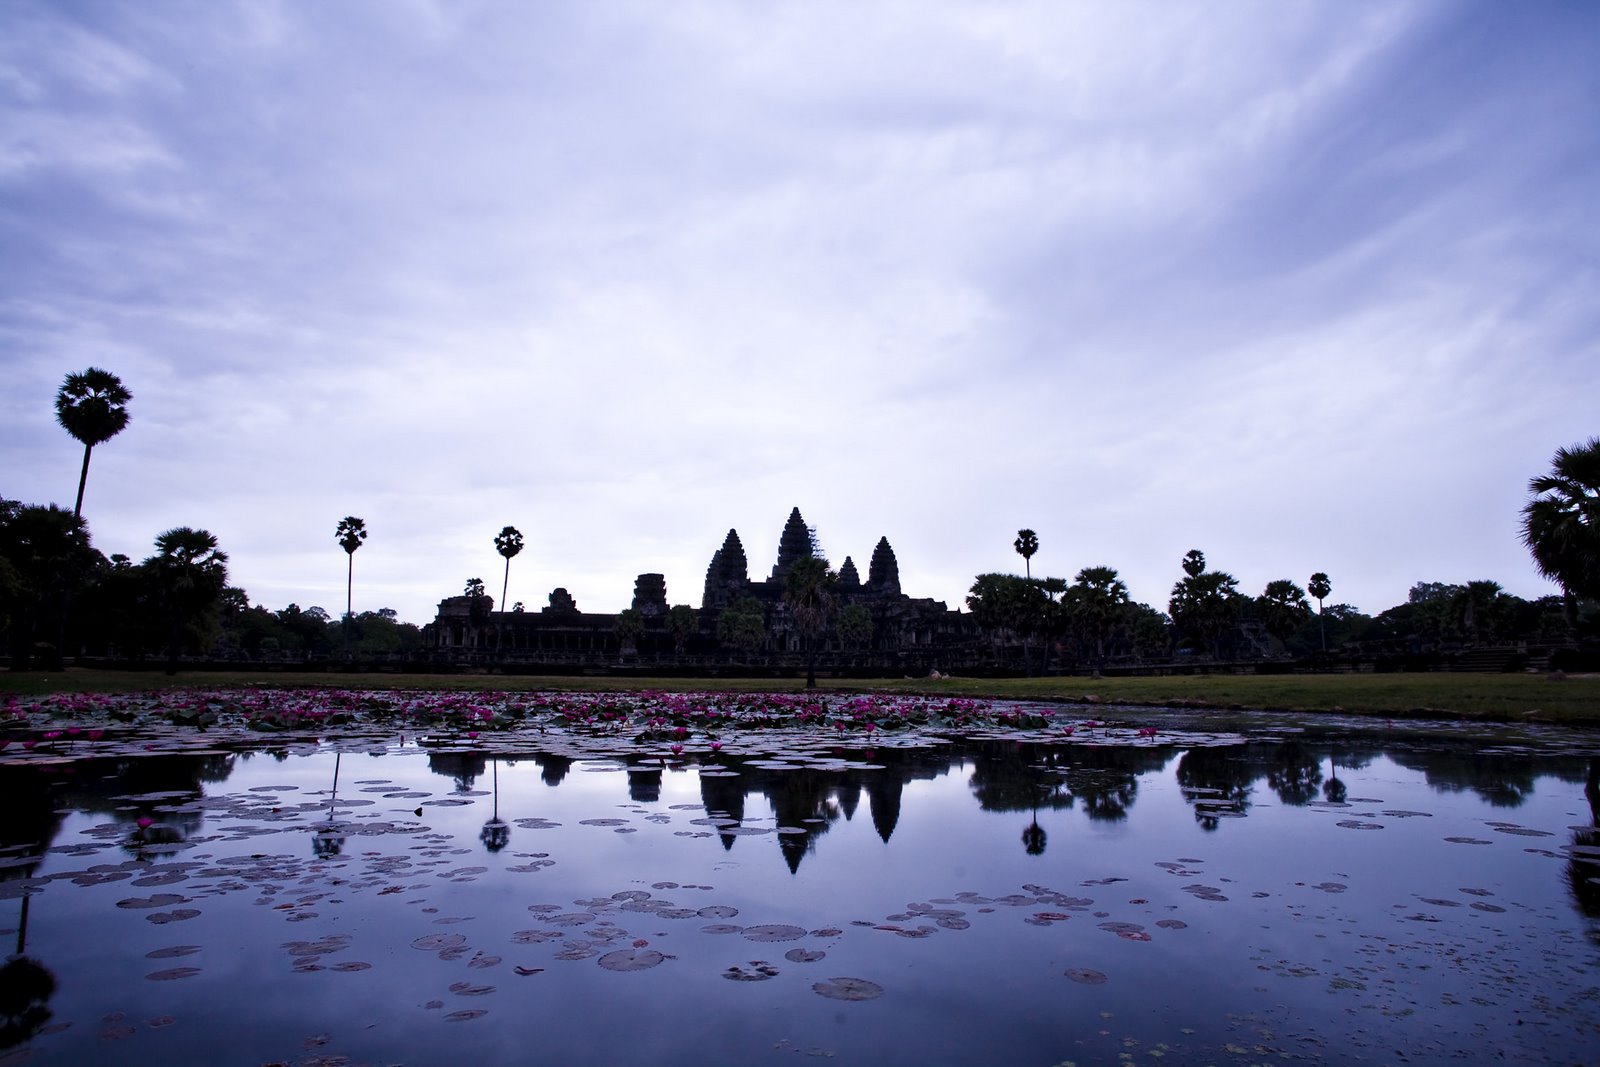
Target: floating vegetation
759, 971
628, 959
774, 932
848, 989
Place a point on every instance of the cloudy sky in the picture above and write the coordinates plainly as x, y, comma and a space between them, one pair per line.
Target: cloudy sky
1308, 286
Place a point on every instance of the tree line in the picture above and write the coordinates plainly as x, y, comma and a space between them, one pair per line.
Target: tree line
58, 592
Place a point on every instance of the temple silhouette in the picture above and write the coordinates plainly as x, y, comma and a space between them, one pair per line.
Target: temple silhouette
909, 635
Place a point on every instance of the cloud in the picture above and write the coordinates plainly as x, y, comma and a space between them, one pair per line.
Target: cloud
1307, 286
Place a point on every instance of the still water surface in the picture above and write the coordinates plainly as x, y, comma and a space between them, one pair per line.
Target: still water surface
1174, 902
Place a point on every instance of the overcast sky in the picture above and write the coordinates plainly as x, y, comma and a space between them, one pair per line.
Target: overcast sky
1308, 286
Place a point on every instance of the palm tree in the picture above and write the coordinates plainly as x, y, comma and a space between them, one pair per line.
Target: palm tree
351, 532
1026, 544
682, 623
1099, 600
808, 593
508, 542
1561, 524
1282, 607
629, 625
190, 572
1319, 587
93, 407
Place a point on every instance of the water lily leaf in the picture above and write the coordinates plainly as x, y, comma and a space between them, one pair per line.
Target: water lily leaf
848, 989
628, 959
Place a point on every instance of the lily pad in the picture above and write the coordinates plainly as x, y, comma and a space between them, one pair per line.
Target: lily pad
848, 989
628, 959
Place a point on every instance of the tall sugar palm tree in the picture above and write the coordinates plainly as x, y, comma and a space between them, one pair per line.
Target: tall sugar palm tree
1561, 524
1319, 587
508, 542
92, 407
1026, 544
350, 534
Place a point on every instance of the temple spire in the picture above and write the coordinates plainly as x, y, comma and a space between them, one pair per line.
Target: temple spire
793, 545
883, 573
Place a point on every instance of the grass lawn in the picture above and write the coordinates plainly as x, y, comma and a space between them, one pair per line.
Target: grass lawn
1490, 697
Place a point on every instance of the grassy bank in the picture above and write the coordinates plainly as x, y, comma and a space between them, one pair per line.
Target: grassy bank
1490, 697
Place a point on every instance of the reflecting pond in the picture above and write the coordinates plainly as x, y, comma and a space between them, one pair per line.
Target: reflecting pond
1092, 896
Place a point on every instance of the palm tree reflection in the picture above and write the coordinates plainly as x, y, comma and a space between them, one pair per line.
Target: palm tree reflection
495, 834
329, 840
26, 987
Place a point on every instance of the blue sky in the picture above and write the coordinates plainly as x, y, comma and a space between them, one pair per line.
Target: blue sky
1308, 286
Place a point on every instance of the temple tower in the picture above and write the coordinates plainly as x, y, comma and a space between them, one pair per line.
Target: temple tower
794, 544
650, 595
727, 575
849, 578
883, 573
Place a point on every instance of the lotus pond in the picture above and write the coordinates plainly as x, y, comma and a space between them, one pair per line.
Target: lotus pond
336, 877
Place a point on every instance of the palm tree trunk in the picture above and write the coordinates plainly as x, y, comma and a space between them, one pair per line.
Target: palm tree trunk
83, 479
349, 586
505, 585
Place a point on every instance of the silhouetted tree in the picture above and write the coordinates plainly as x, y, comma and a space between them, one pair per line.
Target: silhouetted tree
1205, 605
855, 625
350, 534
1026, 544
743, 624
1561, 524
1095, 604
1283, 608
190, 573
508, 542
629, 625
1319, 587
473, 588
92, 407
44, 556
1022, 607
682, 623
808, 594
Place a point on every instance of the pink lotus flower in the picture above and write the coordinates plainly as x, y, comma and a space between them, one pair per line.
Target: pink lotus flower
145, 822
716, 746
677, 750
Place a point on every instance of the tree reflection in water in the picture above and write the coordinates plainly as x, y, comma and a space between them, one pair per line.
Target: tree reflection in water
495, 834
328, 841
1016, 777
1583, 867
26, 987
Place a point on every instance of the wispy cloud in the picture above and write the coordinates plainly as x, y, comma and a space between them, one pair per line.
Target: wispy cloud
1308, 286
